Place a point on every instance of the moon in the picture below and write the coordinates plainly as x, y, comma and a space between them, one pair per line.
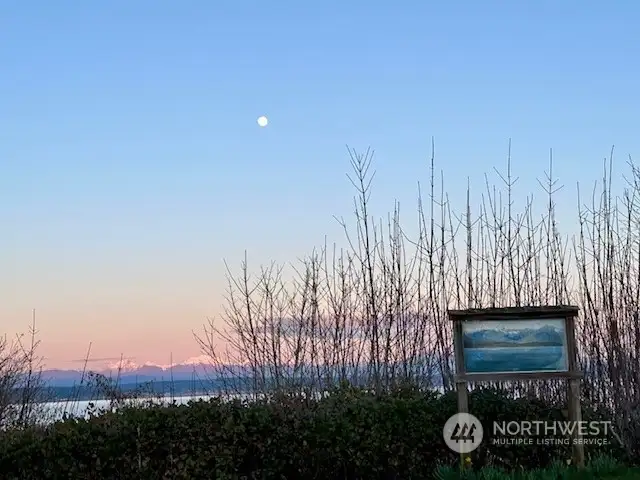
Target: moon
263, 121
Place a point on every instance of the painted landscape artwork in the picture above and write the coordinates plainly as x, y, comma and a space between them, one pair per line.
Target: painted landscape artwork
515, 346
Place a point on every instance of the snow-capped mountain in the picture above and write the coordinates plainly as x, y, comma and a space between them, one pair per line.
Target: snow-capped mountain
127, 371
546, 335
128, 365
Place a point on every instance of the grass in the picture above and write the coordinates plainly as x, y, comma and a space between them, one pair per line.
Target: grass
598, 468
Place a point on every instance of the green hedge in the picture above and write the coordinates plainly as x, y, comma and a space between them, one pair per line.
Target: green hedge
349, 435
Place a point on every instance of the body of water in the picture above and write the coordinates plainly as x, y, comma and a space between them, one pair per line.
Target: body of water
53, 411
515, 359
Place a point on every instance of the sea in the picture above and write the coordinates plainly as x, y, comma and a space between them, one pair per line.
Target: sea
54, 411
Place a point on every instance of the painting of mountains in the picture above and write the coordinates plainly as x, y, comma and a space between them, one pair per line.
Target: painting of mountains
515, 346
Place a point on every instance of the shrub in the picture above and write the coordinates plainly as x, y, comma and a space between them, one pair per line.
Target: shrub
349, 434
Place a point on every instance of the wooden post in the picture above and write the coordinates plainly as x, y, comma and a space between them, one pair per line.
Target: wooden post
461, 383
575, 416
463, 407
573, 396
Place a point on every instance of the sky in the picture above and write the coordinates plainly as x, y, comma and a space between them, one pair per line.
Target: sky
132, 166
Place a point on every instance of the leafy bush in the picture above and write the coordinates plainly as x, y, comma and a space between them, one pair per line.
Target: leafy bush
349, 434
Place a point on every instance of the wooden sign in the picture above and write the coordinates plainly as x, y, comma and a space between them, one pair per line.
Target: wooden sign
514, 344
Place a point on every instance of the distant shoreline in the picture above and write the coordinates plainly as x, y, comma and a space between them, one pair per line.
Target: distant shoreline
165, 388
154, 389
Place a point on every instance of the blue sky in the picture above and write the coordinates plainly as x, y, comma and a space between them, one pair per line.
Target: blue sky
132, 163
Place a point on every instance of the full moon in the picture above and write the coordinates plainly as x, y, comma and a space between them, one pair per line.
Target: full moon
263, 121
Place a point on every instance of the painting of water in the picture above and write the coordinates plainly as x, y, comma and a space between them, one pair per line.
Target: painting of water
510, 346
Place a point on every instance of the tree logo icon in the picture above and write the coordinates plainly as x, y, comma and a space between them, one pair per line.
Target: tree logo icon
463, 433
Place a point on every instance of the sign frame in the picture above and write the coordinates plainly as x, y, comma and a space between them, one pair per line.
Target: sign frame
511, 314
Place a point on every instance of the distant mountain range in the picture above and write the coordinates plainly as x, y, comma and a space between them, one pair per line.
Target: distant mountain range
188, 378
131, 373
545, 336
194, 377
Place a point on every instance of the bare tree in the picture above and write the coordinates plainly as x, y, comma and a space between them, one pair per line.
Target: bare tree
22, 389
375, 313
